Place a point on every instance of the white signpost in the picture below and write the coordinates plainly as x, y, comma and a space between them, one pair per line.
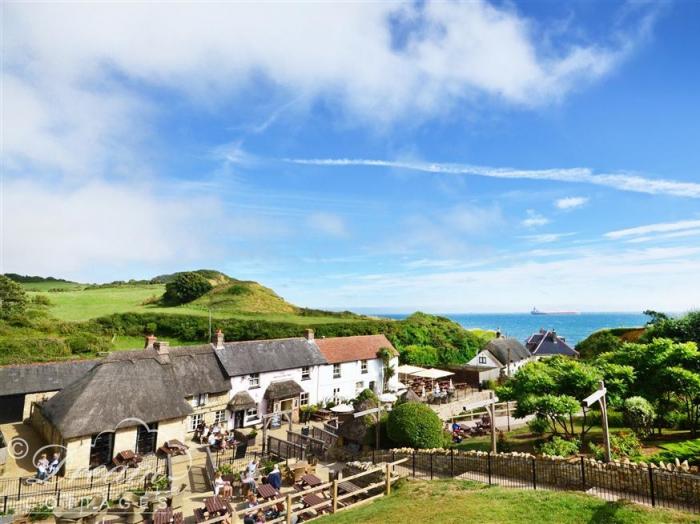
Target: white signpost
599, 396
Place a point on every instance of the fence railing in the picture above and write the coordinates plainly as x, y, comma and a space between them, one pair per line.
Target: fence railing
372, 484
25, 493
313, 446
285, 449
643, 484
327, 437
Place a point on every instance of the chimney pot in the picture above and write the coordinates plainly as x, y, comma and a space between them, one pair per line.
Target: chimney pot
150, 341
309, 334
162, 347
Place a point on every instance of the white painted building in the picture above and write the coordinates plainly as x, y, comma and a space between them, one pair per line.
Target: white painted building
505, 354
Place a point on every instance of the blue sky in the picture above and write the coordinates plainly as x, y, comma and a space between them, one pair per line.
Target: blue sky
443, 156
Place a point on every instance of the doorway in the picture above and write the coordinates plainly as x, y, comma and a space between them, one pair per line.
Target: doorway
238, 419
286, 404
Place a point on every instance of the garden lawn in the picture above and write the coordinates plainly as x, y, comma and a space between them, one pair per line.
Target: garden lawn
462, 502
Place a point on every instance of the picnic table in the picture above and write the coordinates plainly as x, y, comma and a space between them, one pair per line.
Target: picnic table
311, 480
313, 500
267, 491
173, 448
167, 516
216, 506
348, 487
127, 458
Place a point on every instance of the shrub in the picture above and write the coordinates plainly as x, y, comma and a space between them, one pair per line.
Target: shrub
639, 415
622, 444
688, 450
13, 299
538, 425
41, 300
186, 287
560, 447
87, 343
365, 394
415, 425
41, 512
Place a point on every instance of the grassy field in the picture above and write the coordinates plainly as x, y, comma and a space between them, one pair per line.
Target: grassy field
84, 304
463, 502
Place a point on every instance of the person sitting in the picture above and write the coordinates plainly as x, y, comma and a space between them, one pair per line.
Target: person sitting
54, 464
248, 481
274, 478
260, 517
222, 487
213, 442
216, 429
42, 467
205, 435
252, 468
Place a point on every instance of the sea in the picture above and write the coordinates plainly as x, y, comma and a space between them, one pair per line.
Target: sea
573, 328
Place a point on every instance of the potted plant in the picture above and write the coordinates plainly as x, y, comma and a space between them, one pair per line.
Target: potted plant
306, 412
7, 518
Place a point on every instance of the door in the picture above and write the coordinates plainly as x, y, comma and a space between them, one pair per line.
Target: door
12, 409
101, 449
238, 418
287, 404
146, 437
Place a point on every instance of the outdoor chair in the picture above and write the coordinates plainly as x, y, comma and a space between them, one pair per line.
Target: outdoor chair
97, 517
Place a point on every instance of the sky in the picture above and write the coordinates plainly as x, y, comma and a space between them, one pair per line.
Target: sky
378, 156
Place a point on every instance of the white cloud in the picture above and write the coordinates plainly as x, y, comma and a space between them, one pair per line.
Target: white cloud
570, 202
70, 69
622, 182
534, 219
54, 231
327, 223
546, 238
663, 227
474, 219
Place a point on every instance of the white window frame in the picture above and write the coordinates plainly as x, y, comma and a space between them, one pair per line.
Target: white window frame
306, 373
336, 371
201, 400
364, 367
220, 417
482, 359
193, 421
359, 386
251, 416
254, 380
336, 395
303, 398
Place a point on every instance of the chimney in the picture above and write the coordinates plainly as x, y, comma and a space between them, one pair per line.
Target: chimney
219, 339
498, 334
309, 334
163, 350
150, 341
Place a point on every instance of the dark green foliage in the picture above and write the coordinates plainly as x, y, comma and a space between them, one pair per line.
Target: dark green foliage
41, 300
688, 450
87, 343
559, 447
32, 349
684, 329
420, 355
28, 279
415, 425
13, 299
622, 445
655, 316
365, 395
598, 343
186, 287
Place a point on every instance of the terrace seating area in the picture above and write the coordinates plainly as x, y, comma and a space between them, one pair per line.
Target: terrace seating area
432, 385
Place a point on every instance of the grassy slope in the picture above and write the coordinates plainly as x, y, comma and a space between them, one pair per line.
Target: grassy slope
461, 502
249, 301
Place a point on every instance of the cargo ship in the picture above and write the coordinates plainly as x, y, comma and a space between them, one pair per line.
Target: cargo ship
536, 311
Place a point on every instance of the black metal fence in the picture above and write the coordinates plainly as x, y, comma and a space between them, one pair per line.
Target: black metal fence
23, 494
285, 449
641, 484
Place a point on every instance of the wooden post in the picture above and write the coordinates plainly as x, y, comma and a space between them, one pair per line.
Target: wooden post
288, 519
604, 419
388, 479
335, 496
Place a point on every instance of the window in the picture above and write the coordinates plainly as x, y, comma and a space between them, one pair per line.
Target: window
336, 395
359, 386
220, 417
482, 359
306, 373
304, 399
373, 385
146, 437
336, 370
251, 414
200, 400
363, 366
254, 380
193, 421
101, 449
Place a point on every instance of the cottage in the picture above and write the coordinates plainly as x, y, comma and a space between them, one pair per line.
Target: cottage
548, 343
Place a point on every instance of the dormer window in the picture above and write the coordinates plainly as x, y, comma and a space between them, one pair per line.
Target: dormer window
254, 380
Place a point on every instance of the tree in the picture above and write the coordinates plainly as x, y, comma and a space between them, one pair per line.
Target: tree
598, 343
185, 287
386, 354
639, 415
415, 425
13, 299
654, 316
683, 329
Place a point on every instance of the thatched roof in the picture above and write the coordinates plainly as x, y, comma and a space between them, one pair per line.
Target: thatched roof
38, 378
283, 389
198, 370
118, 392
502, 346
411, 396
260, 356
241, 400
